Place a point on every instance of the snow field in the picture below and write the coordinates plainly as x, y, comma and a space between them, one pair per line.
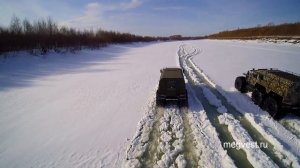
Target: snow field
77, 109
81, 110
256, 156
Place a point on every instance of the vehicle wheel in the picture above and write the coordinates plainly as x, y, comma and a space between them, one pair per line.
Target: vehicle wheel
183, 103
160, 103
273, 107
257, 97
240, 84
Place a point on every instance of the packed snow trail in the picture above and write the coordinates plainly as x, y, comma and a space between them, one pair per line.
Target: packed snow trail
238, 156
209, 150
279, 158
164, 139
188, 144
151, 155
178, 138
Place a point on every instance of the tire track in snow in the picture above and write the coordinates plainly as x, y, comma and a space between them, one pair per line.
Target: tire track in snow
159, 140
281, 157
189, 143
239, 156
139, 146
162, 140
171, 139
209, 150
213, 100
151, 155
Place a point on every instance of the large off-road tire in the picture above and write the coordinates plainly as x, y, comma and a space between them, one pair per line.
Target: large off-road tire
240, 84
160, 103
272, 106
257, 97
183, 103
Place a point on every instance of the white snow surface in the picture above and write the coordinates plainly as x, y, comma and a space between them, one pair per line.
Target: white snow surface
76, 110
83, 109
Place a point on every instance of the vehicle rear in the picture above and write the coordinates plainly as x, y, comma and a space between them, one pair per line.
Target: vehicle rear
171, 87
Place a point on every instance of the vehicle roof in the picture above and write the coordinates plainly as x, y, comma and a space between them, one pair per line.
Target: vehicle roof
283, 74
286, 75
171, 73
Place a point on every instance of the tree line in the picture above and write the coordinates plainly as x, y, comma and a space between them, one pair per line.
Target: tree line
270, 30
46, 35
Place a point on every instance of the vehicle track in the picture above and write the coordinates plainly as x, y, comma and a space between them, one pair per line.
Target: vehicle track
189, 145
239, 157
255, 135
162, 140
292, 123
151, 155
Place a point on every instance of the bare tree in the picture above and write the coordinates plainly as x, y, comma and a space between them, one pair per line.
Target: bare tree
27, 27
15, 25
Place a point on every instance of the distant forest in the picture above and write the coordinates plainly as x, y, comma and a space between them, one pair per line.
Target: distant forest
45, 35
285, 31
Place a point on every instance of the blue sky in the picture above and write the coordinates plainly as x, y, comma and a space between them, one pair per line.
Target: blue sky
155, 17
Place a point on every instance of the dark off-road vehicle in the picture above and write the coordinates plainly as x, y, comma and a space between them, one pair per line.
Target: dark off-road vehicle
171, 87
274, 90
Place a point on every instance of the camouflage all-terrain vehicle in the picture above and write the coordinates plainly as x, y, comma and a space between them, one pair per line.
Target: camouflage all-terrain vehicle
273, 90
171, 87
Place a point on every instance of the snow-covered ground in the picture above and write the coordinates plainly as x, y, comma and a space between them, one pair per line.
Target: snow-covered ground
76, 110
286, 144
96, 108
